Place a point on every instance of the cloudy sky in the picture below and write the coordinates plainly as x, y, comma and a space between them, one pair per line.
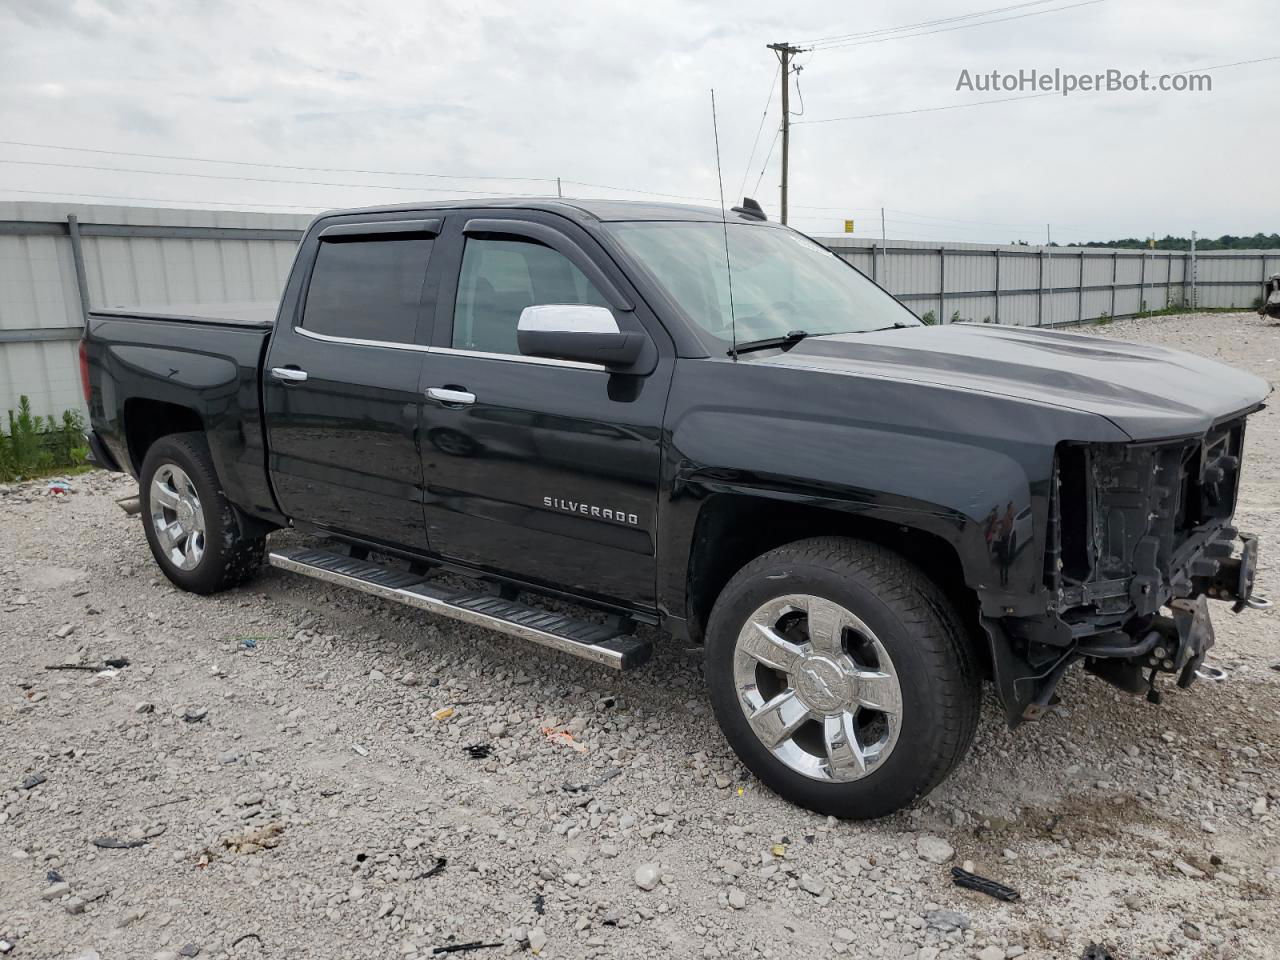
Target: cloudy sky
613, 97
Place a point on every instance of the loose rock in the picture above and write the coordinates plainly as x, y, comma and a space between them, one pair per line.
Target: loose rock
647, 876
934, 849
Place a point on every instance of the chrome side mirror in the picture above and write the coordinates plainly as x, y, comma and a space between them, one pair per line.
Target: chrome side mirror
578, 332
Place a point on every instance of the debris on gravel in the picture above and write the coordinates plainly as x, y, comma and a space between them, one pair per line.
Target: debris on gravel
946, 920
934, 849
310, 810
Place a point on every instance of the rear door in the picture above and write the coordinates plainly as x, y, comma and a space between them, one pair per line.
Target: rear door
543, 470
341, 383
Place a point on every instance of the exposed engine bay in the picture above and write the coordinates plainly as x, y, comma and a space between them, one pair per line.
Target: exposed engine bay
1139, 539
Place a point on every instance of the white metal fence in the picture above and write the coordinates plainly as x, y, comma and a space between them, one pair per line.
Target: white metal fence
1050, 286
57, 260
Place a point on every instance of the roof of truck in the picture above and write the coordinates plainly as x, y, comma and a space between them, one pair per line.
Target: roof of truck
598, 210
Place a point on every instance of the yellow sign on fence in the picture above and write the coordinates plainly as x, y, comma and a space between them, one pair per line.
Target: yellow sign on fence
848, 226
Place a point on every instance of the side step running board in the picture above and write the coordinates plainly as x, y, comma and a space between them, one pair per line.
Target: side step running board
590, 641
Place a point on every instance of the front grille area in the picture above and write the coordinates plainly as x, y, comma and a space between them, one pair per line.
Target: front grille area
1129, 522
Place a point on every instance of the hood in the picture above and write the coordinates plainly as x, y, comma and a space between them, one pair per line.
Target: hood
1148, 392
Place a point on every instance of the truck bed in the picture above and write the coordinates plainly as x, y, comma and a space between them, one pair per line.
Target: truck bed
146, 362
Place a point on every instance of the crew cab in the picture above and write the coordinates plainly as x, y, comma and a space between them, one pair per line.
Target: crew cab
706, 422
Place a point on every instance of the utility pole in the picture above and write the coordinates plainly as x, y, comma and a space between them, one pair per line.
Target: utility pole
1194, 298
1048, 244
785, 52
882, 235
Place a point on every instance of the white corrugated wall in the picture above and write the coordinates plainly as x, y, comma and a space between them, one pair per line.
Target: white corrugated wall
39, 295
1043, 285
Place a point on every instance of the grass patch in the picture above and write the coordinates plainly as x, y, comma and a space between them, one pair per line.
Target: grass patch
36, 446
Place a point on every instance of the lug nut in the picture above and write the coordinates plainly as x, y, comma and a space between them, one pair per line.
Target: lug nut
1159, 653
1168, 664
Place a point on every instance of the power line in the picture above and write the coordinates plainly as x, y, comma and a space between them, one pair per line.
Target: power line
756, 142
924, 23
227, 176
220, 203
961, 26
850, 209
324, 183
115, 196
767, 157
786, 51
953, 106
376, 186
276, 166
1025, 96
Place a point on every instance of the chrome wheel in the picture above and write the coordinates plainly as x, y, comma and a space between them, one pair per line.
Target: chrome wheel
818, 688
177, 517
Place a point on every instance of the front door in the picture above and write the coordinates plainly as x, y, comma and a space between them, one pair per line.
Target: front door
543, 470
341, 387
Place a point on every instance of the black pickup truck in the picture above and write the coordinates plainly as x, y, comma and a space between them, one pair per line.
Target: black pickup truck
716, 427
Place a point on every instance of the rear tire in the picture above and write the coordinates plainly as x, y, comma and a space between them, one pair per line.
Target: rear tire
841, 676
191, 527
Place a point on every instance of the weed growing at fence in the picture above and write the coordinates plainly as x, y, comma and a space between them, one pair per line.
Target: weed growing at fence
36, 445
1180, 309
929, 318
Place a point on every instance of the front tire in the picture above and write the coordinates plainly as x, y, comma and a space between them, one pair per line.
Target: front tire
841, 677
191, 527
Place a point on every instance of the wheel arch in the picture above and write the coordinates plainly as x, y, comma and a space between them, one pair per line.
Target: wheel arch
733, 528
147, 420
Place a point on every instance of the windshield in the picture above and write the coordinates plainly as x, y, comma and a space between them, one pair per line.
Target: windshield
782, 281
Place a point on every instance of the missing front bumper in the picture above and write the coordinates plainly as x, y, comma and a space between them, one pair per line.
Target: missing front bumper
1131, 653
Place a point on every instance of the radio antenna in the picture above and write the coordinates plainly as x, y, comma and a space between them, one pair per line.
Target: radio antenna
724, 224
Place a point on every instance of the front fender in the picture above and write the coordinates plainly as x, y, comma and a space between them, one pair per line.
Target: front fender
971, 468
967, 495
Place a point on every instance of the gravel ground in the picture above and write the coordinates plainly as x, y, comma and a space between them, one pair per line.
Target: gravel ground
294, 771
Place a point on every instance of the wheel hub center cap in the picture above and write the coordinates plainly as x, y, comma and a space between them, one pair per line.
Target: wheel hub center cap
822, 683
186, 512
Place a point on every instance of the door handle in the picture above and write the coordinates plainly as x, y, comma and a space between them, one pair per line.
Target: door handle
289, 374
450, 395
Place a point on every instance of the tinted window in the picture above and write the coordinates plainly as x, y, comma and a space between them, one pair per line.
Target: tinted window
499, 278
367, 289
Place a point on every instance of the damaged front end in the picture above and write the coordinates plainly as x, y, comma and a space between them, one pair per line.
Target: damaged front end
1139, 537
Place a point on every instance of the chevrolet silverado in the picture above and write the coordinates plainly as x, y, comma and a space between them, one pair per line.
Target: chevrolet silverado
714, 426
